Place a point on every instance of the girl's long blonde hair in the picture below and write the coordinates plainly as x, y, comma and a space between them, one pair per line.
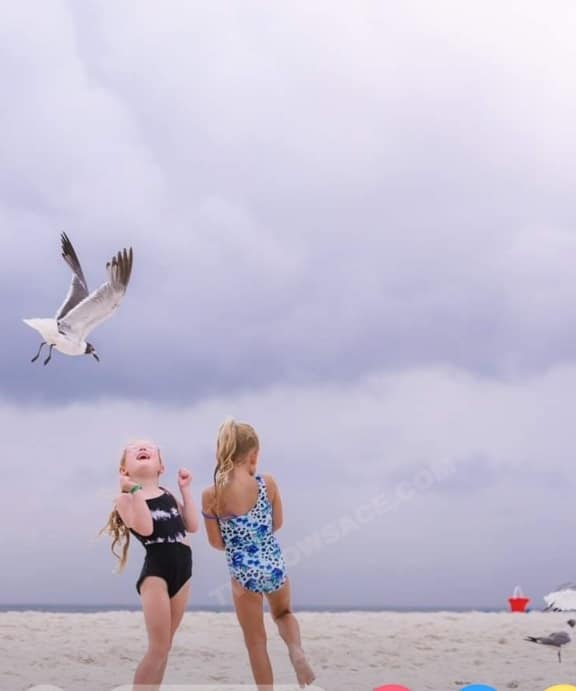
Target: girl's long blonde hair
119, 531
235, 440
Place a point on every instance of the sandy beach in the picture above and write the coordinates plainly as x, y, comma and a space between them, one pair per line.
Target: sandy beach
350, 651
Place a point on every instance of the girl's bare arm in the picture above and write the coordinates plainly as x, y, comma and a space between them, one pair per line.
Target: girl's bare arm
276, 501
188, 512
187, 507
135, 513
212, 527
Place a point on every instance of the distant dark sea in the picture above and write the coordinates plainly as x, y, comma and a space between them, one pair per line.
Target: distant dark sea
85, 609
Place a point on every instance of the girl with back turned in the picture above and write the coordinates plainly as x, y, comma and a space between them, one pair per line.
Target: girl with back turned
242, 510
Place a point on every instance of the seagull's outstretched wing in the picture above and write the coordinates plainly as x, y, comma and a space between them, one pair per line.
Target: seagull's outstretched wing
101, 303
78, 288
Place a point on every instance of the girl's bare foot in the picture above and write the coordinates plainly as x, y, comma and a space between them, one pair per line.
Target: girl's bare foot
304, 672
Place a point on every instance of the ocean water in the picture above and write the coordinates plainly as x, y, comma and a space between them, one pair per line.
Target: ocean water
86, 609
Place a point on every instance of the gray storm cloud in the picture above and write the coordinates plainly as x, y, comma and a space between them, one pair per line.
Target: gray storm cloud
392, 193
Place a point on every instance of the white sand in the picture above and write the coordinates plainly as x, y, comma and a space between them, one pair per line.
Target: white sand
350, 652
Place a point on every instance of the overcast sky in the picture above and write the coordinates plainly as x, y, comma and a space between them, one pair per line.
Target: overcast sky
354, 227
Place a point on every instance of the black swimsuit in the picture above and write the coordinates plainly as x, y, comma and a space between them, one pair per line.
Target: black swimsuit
167, 555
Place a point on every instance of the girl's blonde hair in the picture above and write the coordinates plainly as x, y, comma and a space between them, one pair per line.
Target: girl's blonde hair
235, 440
119, 531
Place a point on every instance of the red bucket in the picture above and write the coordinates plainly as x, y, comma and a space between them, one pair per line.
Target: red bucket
518, 601
518, 604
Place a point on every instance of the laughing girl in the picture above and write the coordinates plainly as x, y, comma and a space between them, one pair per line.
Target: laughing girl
161, 523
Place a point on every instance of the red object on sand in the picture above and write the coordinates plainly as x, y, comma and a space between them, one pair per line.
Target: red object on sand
518, 604
392, 687
518, 601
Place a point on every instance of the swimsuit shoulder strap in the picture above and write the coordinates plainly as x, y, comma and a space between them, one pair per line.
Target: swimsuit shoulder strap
262, 488
167, 493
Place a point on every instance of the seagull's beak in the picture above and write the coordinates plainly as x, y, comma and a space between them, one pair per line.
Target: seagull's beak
96, 357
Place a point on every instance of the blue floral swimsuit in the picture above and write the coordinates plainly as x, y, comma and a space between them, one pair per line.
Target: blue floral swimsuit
254, 556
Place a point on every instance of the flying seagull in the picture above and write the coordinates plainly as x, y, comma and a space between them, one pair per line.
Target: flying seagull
556, 639
81, 311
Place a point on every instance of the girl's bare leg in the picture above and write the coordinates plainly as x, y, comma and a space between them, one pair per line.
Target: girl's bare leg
250, 614
178, 607
288, 628
157, 615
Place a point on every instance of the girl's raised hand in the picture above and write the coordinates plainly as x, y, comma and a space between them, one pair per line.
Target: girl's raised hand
184, 478
126, 483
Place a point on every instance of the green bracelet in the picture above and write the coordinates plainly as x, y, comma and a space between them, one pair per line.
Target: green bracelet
134, 489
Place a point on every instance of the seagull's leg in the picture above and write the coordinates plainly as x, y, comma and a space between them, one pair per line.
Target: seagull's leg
559, 654
39, 351
47, 360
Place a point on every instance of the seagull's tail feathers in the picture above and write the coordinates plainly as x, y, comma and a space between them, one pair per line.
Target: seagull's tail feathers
532, 639
38, 324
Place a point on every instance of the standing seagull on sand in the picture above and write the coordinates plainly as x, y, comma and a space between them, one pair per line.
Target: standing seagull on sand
81, 312
556, 639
